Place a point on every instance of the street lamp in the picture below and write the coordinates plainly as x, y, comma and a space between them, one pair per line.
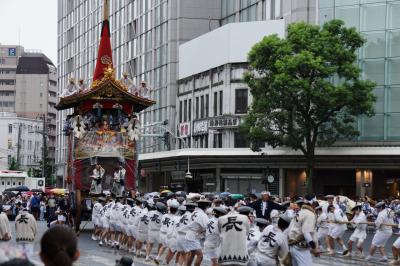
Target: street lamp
188, 174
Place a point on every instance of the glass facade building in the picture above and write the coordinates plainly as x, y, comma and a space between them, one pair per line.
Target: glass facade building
379, 22
256, 10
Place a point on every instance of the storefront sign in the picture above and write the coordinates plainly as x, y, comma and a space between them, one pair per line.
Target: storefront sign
222, 122
200, 127
184, 129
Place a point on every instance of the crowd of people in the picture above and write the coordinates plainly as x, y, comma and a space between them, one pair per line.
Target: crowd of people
58, 247
180, 229
50, 208
251, 231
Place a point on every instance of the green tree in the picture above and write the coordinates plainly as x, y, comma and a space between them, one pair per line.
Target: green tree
13, 165
306, 89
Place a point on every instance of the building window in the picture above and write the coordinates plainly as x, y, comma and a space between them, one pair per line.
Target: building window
240, 141
276, 9
207, 104
180, 112
241, 101
215, 103
8, 183
19, 183
185, 111
13, 183
197, 107
190, 110
202, 107
221, 102
9, 128
217, 140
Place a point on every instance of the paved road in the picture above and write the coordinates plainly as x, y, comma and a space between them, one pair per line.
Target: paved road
92, 254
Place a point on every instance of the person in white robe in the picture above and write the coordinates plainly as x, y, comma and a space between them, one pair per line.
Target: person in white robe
70, 89
383, 232
360, 232
234, 228
273, 243
118, 181
98, 173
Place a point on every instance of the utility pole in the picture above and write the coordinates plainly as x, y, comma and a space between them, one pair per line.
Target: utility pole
18, 144
43, 145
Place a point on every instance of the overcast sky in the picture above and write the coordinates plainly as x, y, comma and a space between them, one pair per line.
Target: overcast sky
30, 23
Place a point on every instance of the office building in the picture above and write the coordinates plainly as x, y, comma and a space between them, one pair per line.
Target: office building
21, 140
379, 60
145, 36
212, 99
28, 87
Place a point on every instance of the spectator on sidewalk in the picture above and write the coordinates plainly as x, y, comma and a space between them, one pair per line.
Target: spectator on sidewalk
52, 205
35, 206
42, 210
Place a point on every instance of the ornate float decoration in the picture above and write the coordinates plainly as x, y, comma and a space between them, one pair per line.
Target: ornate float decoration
103, 128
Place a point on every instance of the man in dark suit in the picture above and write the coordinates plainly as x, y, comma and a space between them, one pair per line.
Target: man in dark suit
265, 205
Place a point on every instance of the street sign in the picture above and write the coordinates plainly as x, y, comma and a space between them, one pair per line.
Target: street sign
12, 51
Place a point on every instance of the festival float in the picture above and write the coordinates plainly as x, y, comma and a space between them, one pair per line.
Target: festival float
103, 129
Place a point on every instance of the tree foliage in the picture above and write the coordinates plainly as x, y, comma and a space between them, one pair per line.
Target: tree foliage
13, 165
307, 89
49, 168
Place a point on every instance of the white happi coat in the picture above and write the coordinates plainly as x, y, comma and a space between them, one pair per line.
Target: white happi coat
5, 228
360, 232
273, 244
97, 207
213, 239
322, 225
197, 226
303, 223
383, 232
234, 229
252, 240
154, 226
